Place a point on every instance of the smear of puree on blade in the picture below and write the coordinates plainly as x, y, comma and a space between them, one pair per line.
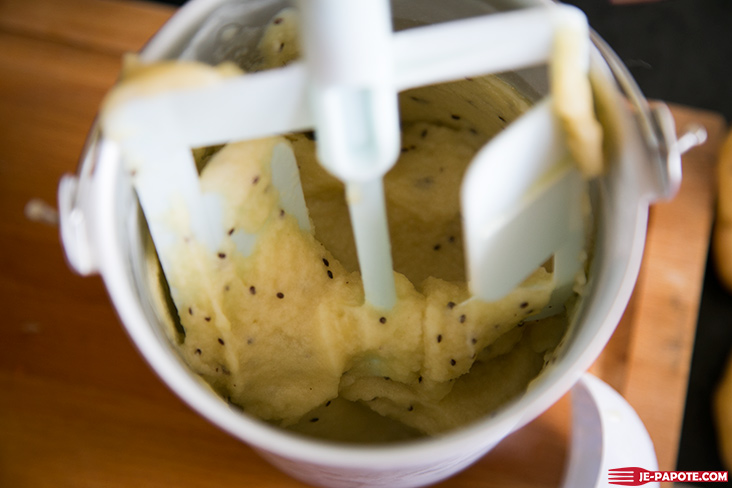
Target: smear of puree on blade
284, 333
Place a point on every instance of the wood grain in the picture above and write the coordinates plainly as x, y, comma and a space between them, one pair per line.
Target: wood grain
649, 356
671, 283
80, 408
112, 27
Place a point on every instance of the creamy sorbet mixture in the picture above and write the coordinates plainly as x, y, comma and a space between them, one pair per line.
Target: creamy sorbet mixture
284, 333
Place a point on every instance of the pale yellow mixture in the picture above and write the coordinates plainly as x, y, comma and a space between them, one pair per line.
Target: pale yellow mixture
284, 333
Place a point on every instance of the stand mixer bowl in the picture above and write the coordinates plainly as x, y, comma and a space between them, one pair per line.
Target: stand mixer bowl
102, 232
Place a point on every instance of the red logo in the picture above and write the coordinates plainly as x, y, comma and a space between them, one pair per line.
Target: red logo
640, 476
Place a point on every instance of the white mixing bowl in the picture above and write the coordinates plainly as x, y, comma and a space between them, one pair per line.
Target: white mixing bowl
102, 233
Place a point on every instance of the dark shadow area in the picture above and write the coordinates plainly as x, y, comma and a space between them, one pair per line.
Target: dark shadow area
698, 449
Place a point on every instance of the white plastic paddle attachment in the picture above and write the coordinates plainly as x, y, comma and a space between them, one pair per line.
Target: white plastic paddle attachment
522, 194
522, 201
347, 49
154, 136
347, 91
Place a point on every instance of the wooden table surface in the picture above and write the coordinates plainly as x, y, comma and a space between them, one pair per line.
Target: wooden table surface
78, 405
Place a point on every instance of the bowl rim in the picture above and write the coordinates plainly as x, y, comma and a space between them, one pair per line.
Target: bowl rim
480, 435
